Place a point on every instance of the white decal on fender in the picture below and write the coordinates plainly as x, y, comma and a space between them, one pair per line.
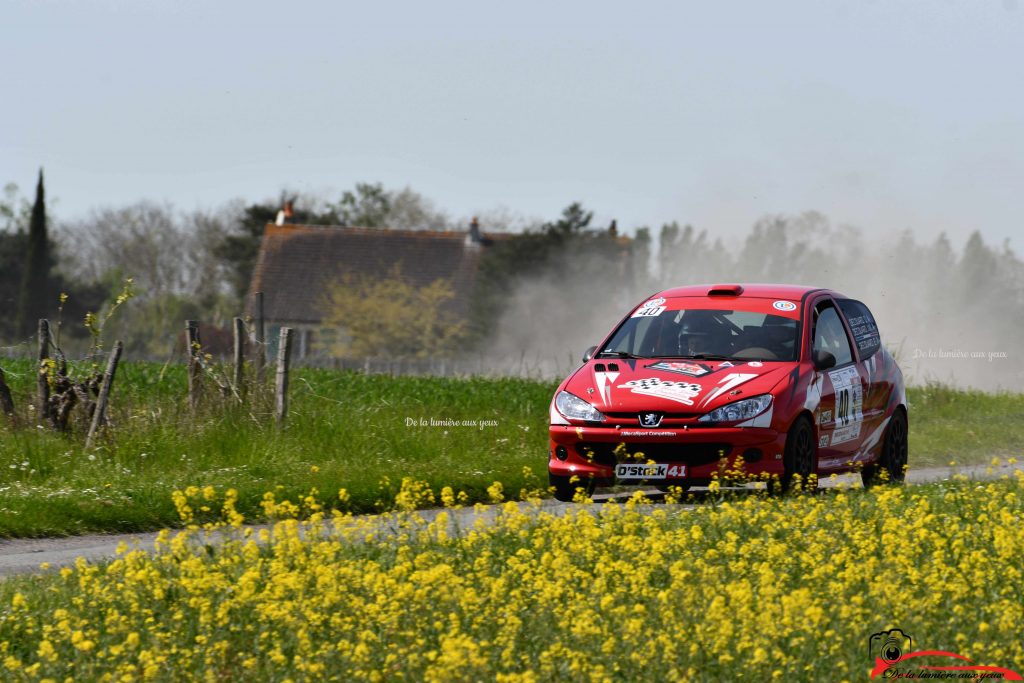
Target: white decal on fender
872, 440
733, 379
605, 380
813, 397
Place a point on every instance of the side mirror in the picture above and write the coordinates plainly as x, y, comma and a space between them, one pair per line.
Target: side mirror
589, 353
823, 360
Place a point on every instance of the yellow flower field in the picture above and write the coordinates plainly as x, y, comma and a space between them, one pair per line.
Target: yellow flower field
742, 588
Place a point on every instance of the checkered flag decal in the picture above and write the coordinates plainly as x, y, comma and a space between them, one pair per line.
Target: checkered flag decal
681, 392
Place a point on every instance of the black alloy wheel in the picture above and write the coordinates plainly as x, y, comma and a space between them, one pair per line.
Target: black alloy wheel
800, 458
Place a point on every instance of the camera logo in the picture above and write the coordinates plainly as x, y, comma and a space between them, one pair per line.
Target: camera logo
889, 646
893, 656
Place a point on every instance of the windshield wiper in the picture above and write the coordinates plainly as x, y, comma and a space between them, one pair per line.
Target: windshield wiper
703, 356
619, 354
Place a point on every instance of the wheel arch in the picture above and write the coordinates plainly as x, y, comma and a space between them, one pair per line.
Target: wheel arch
804, 413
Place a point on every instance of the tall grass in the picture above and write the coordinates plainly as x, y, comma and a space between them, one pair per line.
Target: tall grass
345, 430
963, 426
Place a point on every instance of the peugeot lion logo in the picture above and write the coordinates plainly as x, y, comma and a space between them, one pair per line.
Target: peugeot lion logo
650, 419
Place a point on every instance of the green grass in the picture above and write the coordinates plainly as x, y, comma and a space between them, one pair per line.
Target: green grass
346, 430
949, 425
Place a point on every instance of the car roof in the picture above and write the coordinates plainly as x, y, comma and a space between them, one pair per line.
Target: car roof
742, 289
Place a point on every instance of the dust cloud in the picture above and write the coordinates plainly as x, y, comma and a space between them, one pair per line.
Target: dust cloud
950, 314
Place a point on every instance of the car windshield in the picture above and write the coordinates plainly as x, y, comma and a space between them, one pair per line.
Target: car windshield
707, 333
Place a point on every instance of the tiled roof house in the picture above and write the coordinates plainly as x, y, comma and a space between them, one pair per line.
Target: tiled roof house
297, 263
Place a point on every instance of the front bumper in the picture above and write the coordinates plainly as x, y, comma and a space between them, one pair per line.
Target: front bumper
593, 452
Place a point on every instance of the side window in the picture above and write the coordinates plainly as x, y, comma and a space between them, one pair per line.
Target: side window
862, 324
830, 336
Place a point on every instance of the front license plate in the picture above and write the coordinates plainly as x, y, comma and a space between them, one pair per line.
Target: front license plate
656, 471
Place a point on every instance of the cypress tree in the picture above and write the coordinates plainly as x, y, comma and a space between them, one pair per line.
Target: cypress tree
34, 299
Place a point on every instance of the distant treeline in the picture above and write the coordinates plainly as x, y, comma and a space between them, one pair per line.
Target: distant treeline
546, 294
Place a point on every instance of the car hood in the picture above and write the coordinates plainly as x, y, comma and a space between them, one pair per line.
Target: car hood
672, 385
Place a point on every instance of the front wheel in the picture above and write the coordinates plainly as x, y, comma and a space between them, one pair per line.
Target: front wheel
565, 491
800, 458
892, 461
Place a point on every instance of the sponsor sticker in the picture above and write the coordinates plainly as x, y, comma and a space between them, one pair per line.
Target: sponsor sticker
825, 417
652, 312
725, 364
755, 364
691, 369
651, 308
849, 404
784, 306
680, 392
847, 433
646, 432
865, 333
650, 471
823, 441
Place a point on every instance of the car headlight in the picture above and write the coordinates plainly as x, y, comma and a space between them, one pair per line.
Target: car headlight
740, 410
576, 408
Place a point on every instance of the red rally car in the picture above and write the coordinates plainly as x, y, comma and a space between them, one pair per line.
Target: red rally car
768, 379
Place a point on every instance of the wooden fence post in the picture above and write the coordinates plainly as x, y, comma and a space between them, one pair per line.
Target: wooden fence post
239, 328
99, 416
42, 379
284, 353
6, 401
259, 336
194, 368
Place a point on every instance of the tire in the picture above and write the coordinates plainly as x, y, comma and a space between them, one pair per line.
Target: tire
893, 457
800, 457
565, 491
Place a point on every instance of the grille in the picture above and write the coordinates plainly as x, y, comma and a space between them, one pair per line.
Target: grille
690, 453
668, 419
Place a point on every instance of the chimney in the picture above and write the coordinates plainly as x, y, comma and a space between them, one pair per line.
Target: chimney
474, 232
286, 214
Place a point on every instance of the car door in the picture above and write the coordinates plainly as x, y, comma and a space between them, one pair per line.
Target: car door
840, 413
877, 382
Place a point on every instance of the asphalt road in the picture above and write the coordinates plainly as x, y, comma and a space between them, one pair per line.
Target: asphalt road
20, 556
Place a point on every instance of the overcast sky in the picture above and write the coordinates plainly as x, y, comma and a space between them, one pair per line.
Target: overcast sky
886, 115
